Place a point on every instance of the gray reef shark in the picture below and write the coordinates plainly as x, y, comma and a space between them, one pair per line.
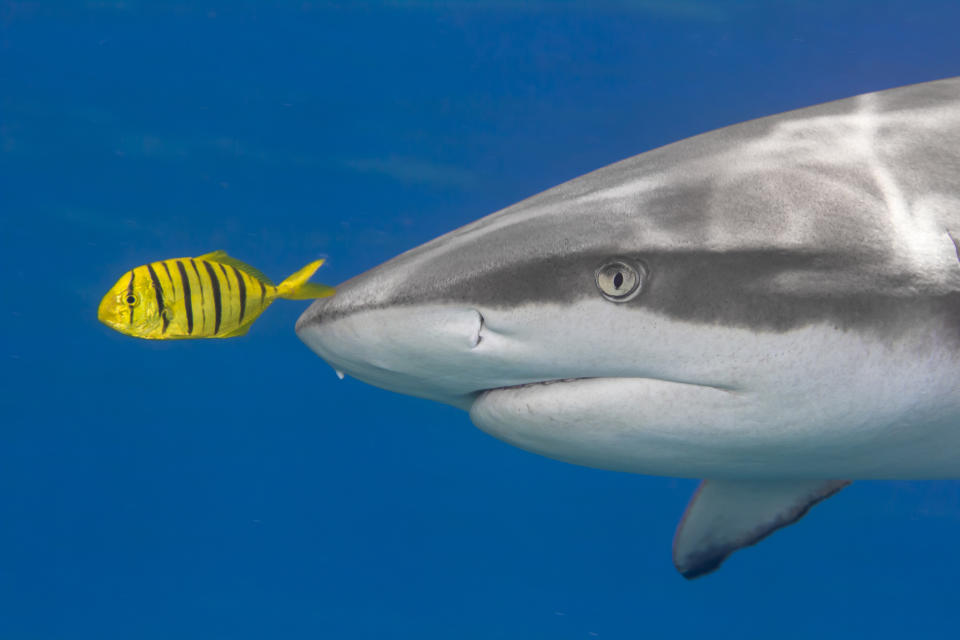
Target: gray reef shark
773, 306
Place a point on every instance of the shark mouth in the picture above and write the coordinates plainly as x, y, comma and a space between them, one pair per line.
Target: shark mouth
543, 383
540, 383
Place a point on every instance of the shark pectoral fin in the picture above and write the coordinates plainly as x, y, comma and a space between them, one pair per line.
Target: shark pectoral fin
726, 515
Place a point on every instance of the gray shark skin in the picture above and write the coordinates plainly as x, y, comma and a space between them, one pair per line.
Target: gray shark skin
796, 323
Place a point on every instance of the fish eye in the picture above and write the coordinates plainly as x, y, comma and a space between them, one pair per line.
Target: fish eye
130, 299
619, 281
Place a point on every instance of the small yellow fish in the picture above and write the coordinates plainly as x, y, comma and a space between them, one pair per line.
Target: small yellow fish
211, 296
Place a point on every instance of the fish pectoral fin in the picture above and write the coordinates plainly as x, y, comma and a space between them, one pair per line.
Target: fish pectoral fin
726, 515
221, 256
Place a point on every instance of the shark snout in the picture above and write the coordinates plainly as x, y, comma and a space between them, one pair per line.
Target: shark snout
418, 348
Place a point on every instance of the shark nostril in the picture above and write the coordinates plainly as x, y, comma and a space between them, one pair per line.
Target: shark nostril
477, 337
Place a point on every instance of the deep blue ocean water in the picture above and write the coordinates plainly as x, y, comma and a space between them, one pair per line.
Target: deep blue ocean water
236, 488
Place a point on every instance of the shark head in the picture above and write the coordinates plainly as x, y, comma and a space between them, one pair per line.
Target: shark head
510, 301
773, 302
561, 289
677, 311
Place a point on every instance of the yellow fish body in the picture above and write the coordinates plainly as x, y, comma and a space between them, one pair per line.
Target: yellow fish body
210, 296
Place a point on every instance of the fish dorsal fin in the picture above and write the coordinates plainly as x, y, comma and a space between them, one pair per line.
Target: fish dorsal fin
221, 256
726, 515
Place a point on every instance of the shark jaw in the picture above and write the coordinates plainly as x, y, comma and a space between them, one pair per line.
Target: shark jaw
456, 354
596, 385
572, 383
497, 365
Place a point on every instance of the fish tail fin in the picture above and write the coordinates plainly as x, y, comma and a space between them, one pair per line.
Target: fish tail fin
296, 286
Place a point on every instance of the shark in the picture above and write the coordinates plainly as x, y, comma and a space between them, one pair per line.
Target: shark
772, 307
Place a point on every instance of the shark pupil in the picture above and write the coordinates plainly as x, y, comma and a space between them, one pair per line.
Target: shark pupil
618, 280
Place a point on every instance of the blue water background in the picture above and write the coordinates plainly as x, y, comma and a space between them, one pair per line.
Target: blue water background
237, 489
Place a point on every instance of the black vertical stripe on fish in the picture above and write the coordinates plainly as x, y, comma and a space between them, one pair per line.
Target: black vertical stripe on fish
223, 269
243, 293
159, 292
130, 295
203, 302
174, 295
170, 278
215, 283
187, 300
263, 292
230, 299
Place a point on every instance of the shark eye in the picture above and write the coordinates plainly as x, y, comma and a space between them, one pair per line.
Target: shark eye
619, 281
